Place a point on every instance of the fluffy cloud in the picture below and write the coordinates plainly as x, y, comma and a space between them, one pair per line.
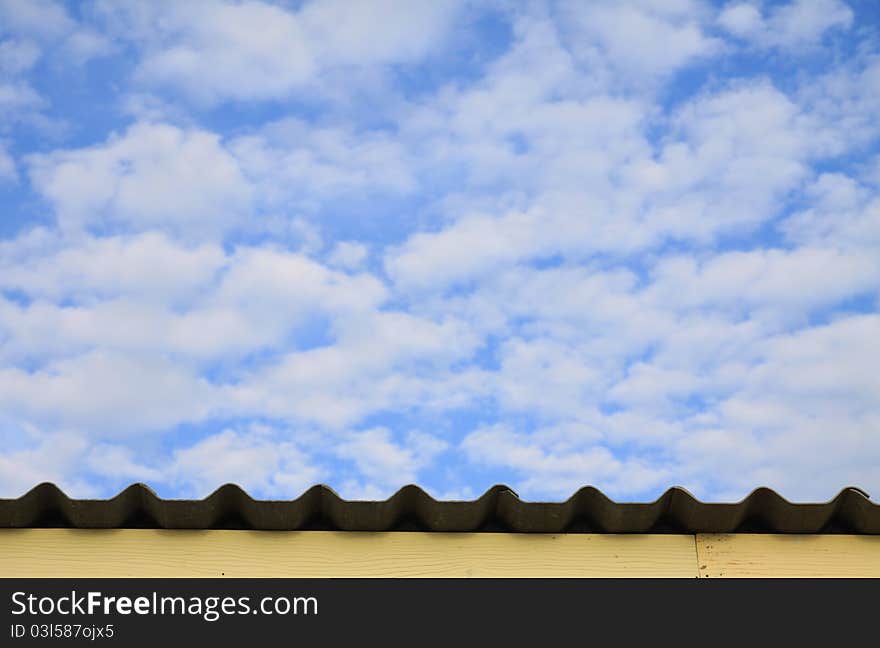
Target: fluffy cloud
797, 24
199, 304
348, 254
44, 18
34, 35
154, 175
45, 457
45, 25
793, 283
16, 98
553, 465
107, 392
797, 416
386, 463
122, 327
215, 51
252, 459
669, 36
380, 361
842, 214
294, 164
149, 265
17, 56
745, 141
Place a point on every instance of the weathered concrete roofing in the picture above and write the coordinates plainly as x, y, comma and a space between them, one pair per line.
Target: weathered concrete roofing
412, 509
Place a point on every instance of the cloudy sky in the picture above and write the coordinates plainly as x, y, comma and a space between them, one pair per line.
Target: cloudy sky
547, 244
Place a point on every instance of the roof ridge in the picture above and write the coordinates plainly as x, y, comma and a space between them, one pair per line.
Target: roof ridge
412, 508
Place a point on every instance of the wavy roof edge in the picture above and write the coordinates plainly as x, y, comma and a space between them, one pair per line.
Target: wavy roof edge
412, 509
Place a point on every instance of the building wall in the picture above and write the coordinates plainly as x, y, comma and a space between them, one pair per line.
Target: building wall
321, 554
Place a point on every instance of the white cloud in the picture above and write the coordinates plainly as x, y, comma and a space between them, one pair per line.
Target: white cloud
215, 51
842, 214
797, 24
842, 103
653, 389
802, 421
118, 462
376, 31
255, 459
16, 97
293, 163
154, 175
264, 281
108, 392
673, 350
790, 283
348, 254
54, 457
470, 247
797, 366
544, 376
84, 45
17, 56
733, 157
41, 18
48, 23
742, 19
32, 33
384, 462
379, 361
729, 160
144, 294
789, 420
264, 461
535, 120
149, 266
545, 470
641, 40
212, 51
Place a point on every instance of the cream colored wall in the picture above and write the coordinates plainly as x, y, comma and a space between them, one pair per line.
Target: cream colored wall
221, 553
759, 555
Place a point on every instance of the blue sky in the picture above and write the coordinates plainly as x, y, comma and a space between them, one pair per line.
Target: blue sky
547, 244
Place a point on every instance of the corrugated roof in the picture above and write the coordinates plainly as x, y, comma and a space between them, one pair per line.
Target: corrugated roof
412, 509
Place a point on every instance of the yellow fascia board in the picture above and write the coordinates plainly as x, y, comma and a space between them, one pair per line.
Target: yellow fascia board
152, 553
79, 553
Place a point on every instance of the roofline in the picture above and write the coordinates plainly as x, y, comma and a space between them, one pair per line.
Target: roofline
412, 509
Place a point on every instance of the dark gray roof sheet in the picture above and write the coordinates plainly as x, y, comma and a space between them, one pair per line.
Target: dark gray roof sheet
412, 509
